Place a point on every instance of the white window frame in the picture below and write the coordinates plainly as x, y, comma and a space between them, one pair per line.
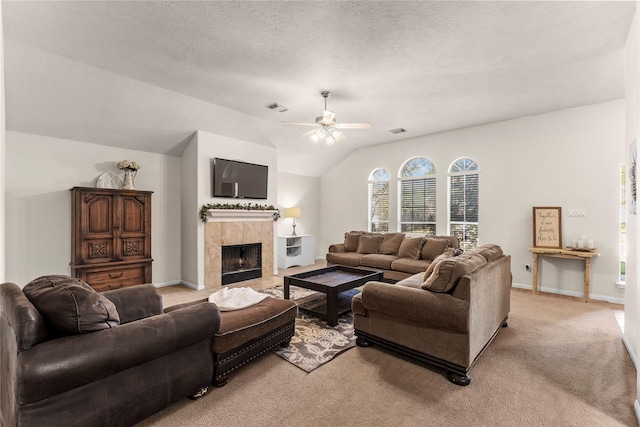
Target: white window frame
379, 175
427, 173
470, 167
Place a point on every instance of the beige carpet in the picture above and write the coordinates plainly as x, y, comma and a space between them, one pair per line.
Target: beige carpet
560, 362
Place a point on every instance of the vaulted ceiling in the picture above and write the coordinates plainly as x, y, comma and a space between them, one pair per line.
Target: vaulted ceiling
146, 75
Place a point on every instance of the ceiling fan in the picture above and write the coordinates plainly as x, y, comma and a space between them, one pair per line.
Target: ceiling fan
326, 128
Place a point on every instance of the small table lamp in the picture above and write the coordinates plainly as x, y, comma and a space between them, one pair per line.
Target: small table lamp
293, 213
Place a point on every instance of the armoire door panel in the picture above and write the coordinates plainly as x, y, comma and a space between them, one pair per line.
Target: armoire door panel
132, 215
98, 216
98, 250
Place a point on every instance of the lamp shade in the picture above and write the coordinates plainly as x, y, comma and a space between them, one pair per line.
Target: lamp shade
292, 212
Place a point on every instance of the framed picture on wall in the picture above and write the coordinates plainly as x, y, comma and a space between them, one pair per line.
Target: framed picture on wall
547, 227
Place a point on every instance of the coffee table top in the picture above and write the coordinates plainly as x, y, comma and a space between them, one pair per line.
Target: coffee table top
334, 276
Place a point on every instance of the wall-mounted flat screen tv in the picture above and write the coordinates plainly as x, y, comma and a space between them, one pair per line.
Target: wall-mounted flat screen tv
239, 180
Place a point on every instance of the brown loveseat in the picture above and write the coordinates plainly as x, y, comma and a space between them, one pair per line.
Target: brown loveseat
88, 359
397, 255
446, 320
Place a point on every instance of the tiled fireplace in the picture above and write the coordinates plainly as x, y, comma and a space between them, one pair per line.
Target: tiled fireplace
232, 228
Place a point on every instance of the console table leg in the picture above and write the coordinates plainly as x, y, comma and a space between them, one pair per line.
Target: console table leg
587, 278
535, 273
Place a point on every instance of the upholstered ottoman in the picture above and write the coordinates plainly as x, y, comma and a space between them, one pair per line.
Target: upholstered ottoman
247, 333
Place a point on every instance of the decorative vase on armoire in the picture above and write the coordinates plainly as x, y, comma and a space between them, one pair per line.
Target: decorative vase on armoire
127, 182
130, 170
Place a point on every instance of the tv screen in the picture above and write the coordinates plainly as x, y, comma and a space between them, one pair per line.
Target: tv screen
239, 180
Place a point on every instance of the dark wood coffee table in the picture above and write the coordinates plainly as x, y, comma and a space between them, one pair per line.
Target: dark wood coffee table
330, 281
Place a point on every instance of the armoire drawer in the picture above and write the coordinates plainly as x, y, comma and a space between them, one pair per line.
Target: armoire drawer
116, 278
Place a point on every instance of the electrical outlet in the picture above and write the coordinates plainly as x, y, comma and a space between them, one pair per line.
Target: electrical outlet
527, 267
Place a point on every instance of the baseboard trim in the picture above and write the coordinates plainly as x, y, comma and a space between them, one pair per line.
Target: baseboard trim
632, 354
571, 293
163, 284
191, 285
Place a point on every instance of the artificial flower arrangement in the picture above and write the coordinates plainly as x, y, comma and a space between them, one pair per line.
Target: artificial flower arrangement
125, 165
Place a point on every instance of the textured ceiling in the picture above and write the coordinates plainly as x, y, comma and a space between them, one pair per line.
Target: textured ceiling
146, 75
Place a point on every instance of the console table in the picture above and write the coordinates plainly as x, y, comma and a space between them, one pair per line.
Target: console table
567, 254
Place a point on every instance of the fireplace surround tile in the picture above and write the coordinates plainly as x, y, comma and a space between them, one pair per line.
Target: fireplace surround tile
226, 233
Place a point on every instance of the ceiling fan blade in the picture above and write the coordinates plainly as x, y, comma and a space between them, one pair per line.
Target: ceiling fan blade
328, 117
311, 132
299, 124
353, 125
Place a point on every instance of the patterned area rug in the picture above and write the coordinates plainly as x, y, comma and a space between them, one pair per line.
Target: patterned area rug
314, 343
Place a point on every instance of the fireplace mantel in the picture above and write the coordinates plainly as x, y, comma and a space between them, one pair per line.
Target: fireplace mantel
239, 215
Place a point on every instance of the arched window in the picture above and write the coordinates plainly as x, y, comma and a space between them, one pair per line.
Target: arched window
463, 202
379, 200
418, 196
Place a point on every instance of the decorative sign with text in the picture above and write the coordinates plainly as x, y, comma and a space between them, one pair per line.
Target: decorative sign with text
547, 227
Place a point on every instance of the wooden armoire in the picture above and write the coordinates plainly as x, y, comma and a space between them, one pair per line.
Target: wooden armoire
111, 237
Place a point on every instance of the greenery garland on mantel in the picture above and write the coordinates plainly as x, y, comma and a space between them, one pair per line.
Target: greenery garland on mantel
238, 206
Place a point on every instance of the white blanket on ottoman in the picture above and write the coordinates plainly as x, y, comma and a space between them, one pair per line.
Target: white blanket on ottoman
228, 299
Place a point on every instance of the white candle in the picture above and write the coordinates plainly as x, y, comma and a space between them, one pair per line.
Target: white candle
591, 243
580, 244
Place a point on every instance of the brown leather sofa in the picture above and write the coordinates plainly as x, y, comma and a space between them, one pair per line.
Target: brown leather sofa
446, 319
120, 365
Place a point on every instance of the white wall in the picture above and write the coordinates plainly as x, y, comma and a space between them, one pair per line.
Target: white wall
304, 192
41, 170
632, 295
3, 127
199, 154
569, 158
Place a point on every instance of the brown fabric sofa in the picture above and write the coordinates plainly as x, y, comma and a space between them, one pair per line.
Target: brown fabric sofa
119, 360
447, 320
397, 255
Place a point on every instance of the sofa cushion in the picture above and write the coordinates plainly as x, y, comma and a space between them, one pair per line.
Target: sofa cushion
446, 254
239, 327
410, 247
351, 240
411, 266
447, 272
70, 305
391, 243
377, 261
351, 259
433, 247
369, 244
414, 281
489, 251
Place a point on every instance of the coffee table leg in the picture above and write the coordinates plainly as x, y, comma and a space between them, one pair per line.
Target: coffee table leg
286, 288
332, 307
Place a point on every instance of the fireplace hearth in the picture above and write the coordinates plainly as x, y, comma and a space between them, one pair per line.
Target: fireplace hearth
241, 262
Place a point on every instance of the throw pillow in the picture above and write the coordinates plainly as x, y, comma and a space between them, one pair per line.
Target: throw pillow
391, 243
369, 244
490, 251
70, 305
351, 240
446, 254
410, 247
447, 272
432, 248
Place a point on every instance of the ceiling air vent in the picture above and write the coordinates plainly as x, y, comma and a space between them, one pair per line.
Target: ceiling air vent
399, 130
277, 107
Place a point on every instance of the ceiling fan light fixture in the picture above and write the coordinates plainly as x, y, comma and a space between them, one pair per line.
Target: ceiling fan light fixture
326, 127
